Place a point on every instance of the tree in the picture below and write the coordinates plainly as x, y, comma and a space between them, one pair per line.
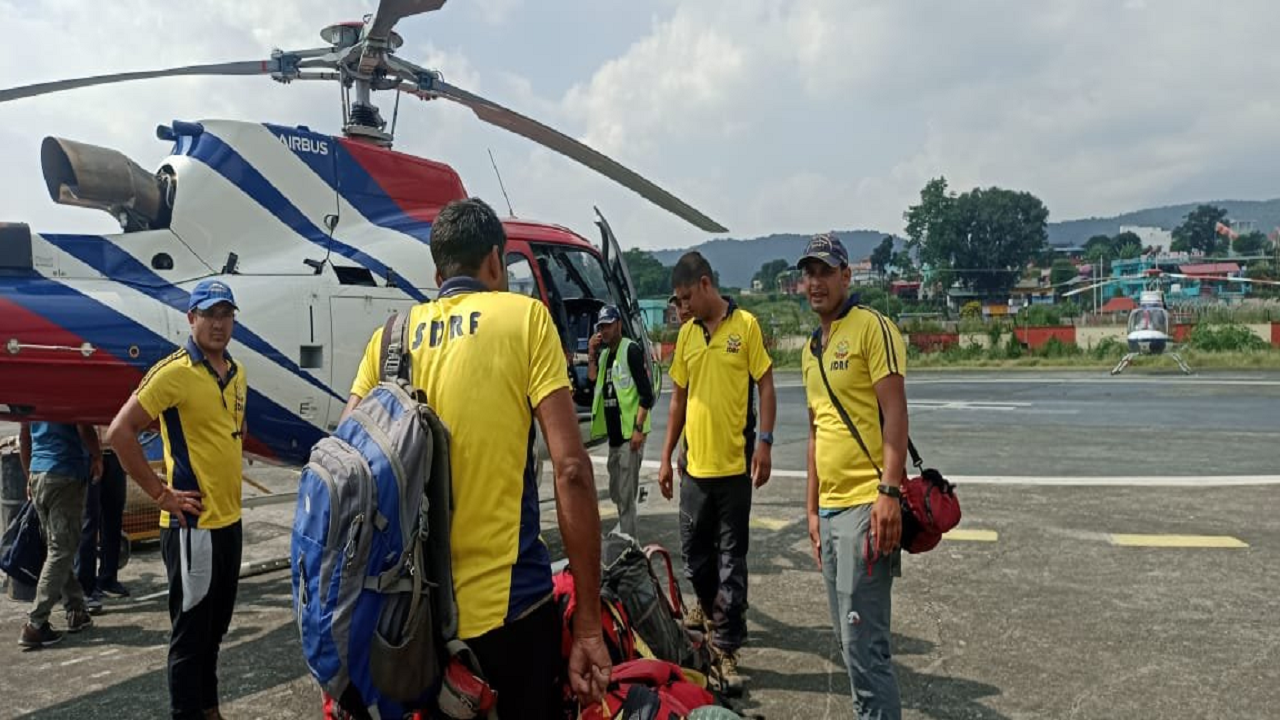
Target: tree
1198, 232
882, 256
651, 278
1254, 243
768, 274
983, 238
1099, 247
1128, 250
902, 261
1063, 272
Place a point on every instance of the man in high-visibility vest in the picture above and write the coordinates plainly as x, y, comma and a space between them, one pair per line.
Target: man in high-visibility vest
620, 409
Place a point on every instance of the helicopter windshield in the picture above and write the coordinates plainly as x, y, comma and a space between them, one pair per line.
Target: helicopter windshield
1149, 318
579, 275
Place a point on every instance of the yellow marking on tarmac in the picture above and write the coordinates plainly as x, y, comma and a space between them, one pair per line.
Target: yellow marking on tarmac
610, 512
968, 535
765, 523
1177, 541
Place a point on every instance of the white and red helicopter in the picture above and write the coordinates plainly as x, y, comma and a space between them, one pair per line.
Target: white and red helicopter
320, 238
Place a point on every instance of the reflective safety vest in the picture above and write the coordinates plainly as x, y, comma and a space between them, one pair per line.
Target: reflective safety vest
624, 387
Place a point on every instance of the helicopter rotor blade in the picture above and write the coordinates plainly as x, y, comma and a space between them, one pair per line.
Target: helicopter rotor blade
284, 65
390, 12
513, 121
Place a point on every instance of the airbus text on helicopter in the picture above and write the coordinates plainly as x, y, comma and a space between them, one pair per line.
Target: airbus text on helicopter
320, 237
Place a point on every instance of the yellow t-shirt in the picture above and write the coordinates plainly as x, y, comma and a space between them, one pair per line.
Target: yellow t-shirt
485, 360
202, 424
864, 348
719, 371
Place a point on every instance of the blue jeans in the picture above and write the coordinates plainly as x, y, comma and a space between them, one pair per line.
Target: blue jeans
861, 605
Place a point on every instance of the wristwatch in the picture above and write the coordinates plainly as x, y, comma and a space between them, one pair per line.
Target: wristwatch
766, 438
890, 490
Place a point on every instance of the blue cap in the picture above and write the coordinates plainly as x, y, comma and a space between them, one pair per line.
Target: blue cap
608, 314
827, 248
209, 293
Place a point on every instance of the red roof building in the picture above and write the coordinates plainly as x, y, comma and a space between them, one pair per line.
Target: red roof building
1120, 304
1205, 269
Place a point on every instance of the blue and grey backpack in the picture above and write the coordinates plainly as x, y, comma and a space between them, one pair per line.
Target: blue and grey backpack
372, 586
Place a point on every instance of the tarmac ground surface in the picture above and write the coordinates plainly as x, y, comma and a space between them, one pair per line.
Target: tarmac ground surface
1119, 558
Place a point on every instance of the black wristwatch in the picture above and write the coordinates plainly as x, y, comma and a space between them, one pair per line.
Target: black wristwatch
890, 490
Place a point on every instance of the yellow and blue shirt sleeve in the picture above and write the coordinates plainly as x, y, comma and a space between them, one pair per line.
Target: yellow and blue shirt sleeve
367, 375
162, 387
883, 348
679, 368
548, 369
759, 360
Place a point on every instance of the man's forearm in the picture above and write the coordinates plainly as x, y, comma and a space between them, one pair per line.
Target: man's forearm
89, 436
895, 447
24, 449
675, 425
133, 460
578, 513
811, 479
768, 402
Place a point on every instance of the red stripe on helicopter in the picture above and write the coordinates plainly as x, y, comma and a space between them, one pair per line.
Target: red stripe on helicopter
60, 382
418, 187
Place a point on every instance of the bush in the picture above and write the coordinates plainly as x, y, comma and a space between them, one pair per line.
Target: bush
1041, 315
1055, 348
1109, 349
1225, 338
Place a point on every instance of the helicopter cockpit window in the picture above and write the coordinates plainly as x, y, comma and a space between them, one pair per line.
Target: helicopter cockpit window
520, 275
579, 275
1152, 318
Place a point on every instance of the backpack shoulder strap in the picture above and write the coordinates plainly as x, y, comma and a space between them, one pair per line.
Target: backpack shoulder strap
393, 360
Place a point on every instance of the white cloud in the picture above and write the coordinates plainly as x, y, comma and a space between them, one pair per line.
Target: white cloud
767, 115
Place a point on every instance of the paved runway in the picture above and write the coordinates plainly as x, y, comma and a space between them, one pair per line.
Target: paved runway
1119, 601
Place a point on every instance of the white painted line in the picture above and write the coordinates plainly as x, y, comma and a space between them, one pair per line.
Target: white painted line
73, 661
1127, 380
102, 674
1115, 481
153, 596
111, 651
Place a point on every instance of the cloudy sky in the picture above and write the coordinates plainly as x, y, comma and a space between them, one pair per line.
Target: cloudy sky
767, 115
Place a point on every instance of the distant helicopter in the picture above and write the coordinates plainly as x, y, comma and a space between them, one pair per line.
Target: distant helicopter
1148, 327
319, 237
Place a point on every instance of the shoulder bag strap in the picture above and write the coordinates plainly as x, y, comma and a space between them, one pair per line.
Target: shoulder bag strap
844, 415
393, 359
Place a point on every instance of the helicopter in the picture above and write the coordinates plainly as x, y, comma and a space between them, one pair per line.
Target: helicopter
1148, 325
320, 237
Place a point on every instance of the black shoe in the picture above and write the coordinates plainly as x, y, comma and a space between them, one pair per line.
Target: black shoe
113, 589
78, 620
93, 603
36, 637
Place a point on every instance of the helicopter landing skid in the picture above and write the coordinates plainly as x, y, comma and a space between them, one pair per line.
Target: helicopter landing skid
1128, 358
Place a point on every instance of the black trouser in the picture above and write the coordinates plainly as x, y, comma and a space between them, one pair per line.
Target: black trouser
522, 662
197, 634
103, 515
715, 534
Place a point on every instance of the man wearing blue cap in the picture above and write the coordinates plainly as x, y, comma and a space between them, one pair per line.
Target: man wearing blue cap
853, 372
620, 409
199, 393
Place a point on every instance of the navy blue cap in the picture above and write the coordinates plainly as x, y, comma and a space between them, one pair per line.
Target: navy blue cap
608, 314
209, 293
827, 248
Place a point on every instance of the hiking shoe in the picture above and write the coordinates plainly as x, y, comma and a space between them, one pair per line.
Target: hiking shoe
78, 620
93, 603
113, 589
726, 670
36, 637
696, 619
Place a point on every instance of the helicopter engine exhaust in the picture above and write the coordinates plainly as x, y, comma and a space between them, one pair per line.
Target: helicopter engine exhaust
89, 176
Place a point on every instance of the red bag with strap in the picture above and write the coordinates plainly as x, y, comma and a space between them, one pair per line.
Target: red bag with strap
651, 689
616, 627
930, 507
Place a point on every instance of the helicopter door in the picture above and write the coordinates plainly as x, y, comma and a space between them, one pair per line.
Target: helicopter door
624, 293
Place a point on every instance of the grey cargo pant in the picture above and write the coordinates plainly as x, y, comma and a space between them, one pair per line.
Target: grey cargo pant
59, 501
624, 484
861, 605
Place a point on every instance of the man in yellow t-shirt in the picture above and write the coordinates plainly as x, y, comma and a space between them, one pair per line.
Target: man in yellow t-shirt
490, 361
863, 358
719, 358
199, 393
